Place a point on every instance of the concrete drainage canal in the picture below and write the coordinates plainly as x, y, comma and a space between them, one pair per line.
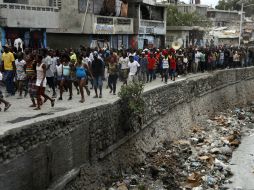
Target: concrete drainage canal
199, 161
183, 139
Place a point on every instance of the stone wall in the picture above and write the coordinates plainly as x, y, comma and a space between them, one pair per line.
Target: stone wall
91, 143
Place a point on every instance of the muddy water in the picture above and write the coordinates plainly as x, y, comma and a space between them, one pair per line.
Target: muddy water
242, 165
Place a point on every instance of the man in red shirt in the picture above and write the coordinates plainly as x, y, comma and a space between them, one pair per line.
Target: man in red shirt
151, 67
172, 61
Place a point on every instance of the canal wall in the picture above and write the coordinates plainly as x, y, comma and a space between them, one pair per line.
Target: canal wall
83, 148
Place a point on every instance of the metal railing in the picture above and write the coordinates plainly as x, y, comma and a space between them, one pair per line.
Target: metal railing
113, 20
153, 23
28, 7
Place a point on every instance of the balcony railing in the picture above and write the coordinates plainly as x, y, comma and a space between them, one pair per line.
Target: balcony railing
153, 23
28, 7
113, 25
152, 27
29, 16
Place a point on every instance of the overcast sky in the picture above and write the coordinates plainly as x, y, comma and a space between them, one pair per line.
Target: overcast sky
206, 2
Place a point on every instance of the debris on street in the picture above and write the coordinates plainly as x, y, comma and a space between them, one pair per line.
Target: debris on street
199, 162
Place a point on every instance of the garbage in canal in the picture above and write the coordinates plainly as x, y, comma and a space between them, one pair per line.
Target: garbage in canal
199, 162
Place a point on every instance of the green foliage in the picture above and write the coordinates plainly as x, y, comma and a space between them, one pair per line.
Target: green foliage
236, 5
176, 18
131, 95
142, 187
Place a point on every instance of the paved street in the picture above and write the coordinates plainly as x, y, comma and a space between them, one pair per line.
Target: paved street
20, 111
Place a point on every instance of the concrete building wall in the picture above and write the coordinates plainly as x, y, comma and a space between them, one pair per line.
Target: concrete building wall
39, 2
191, 8
172, 36
64, 40
47, 153
224, 18
20, 17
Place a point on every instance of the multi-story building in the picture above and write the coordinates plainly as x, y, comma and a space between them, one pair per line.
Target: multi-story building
220, 18
226, 26
193, 8
110, 23
150, 23
27, 20
95, 23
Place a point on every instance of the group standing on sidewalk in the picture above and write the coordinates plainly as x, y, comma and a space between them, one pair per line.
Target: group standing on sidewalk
31, 71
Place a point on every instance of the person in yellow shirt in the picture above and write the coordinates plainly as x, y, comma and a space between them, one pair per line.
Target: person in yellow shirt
9, 68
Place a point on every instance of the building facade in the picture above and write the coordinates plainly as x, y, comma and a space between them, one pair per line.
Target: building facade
110, 23
93, 23
27, 20
193, 8
150, 24
187, 35
221, 18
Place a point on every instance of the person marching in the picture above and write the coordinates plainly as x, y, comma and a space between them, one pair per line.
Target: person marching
81, 76
165, 67
41, 83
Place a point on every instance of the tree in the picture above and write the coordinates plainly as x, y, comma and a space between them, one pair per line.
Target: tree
236, 5
176, 18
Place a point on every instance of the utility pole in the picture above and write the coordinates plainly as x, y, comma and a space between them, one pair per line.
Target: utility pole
241, 26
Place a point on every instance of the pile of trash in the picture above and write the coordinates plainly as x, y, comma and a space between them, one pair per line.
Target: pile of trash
199, 162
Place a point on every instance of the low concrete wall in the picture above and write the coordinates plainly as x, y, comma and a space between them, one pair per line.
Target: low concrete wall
91, 143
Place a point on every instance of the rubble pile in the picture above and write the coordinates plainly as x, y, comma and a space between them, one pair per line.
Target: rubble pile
199, 162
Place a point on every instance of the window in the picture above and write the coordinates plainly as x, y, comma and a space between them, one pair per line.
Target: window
16, 1
51, 4
58, 3
82, 5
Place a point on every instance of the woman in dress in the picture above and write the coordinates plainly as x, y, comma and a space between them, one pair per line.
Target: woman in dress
20, 72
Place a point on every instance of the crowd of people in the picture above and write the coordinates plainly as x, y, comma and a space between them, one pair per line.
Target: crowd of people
30, 72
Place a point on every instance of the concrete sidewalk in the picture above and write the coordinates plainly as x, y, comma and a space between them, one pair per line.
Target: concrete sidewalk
20, 112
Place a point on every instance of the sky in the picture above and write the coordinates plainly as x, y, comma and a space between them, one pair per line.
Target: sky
206, 2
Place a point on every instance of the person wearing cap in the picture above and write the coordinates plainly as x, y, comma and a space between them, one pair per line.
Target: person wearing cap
133, 68
97, 72
8, 67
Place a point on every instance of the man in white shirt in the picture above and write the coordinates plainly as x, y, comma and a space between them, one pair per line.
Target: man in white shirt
18, 44
196, 61
50, 69
133, 67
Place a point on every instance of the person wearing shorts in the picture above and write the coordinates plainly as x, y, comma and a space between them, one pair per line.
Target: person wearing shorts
97, 70
81, 78
65, 78
41, 83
